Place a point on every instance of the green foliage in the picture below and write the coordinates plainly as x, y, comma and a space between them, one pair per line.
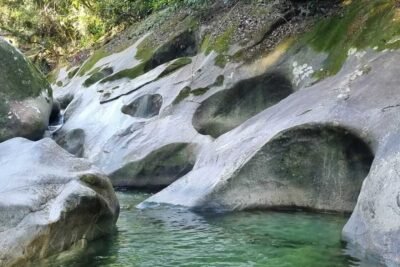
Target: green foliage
59, 28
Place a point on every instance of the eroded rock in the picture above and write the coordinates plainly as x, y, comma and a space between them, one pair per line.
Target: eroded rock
158, 169
146, 106
314, 167
227, 109
49, 201
72, 141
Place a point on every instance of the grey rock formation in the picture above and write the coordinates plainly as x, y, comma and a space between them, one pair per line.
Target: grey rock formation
146, 106
272, 135
49, 201
316, 149
26, 97
158, 169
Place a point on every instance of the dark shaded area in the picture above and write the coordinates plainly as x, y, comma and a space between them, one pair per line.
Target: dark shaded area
158, 169
72, 141
55, 113
181, 46
309, 167
97, 76
146, 106
227, 109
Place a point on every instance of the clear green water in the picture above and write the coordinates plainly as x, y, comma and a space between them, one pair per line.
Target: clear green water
177, 237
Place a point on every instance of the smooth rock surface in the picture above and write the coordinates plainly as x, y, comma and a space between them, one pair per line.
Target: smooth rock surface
49, 201
26, 96
250, 166
277, 133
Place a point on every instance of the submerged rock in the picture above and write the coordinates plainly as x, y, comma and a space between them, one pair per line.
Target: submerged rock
26, 97
49, 201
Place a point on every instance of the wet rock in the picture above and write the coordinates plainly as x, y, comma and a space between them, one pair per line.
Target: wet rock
49, 201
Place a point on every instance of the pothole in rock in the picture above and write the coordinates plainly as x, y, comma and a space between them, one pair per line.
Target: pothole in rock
158, 169
227, 109
97, 75
181, 46
56, 119
146, 106
311, 167
72, 141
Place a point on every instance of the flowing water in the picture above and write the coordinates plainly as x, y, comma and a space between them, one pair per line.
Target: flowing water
176, 237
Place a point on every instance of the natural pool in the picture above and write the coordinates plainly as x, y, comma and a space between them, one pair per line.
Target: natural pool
176, 237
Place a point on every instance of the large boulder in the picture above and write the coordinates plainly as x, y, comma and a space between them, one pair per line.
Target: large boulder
26, 96
49, 201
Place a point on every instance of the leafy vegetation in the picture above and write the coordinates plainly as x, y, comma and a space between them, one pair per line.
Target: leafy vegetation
55, 29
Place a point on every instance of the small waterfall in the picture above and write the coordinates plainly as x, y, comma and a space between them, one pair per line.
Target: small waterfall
55, 124
143, 107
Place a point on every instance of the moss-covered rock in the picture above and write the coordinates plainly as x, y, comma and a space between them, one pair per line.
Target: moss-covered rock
97, 76
179, 47
26, 96
89, 64
363, 24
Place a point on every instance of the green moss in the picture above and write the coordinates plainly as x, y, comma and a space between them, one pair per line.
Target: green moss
131, 73
187, 91
72, 73
89, 64
219, 44
184, 93
146, 48
200, 91
223, 41
91, 179
97, 69
19, 78
174, 66
221, 60
205, 44
93, 79
52, 76
97, 76
364, 24
219, 81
